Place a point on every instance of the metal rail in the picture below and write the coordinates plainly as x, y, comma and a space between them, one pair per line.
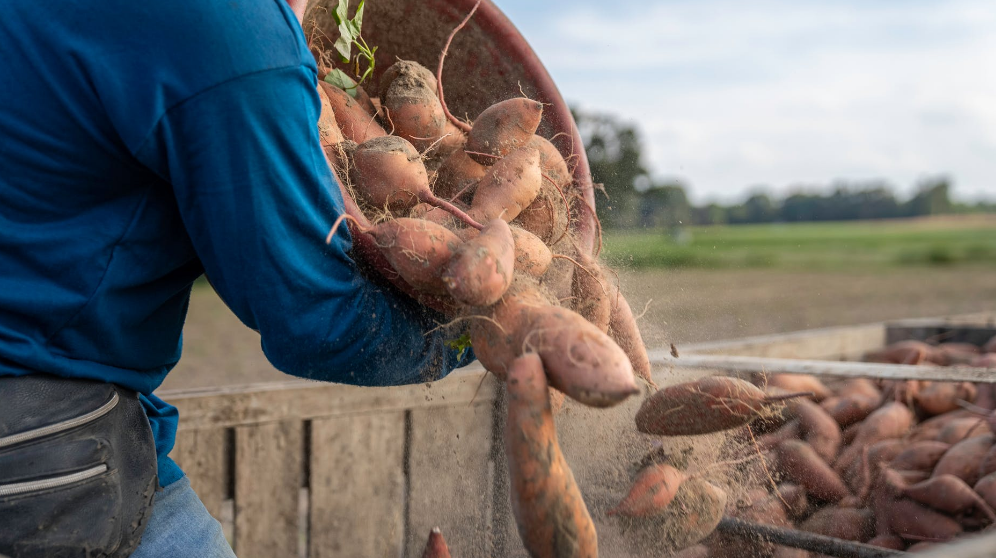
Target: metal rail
811, 542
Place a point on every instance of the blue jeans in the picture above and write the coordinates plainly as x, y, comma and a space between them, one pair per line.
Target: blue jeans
180, 527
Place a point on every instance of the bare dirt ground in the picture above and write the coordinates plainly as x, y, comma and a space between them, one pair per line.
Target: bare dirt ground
686, 306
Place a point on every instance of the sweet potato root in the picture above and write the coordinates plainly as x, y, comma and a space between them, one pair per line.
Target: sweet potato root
328, 129
354, 122
531, 255
938, 398
817, 428
704, 406
551, 161
903, 352
913, 521
946, 493
800, 382
625, 331
919, 456
591, 292
502, 128
552, 518
843, 523
457, 174
964, 458
413, 109
436, 547
892, 420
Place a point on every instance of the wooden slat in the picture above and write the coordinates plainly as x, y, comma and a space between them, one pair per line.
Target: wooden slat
202, 456
300, 399
267, 484
357, 486
833, 343
450, 479
827, 368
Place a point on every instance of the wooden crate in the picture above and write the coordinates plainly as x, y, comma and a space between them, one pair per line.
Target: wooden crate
308, 469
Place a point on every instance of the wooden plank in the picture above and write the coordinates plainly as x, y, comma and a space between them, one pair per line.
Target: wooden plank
203, 456
834, 343
450, 479
826, 368
267, 483
301, 399
357, 486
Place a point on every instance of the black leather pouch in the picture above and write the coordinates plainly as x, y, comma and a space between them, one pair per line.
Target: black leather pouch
77, 468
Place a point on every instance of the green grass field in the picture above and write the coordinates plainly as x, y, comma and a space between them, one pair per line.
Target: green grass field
828, 246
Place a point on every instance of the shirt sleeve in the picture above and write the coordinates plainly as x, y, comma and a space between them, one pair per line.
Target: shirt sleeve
257, 199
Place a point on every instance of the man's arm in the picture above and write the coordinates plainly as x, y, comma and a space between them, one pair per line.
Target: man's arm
257, 199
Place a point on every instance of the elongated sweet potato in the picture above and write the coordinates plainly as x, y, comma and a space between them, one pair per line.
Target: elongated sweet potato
919, 456
654, 488
988, 463
962, 429
551, 161
931, 428
509, 186
892, 542
625, 331
580, 360
986, 487
546, 216
552, 518
704, 406
903, 352
502, 128
817, 428
938, 398
531, 255
480, 270
800, 382
863, 474
913, 521
851, 409
800, 463
415, 248
388, 172
354, 122
964, 458
436, 547
946, 493
328, 129
691, 517
892, 420
793, 497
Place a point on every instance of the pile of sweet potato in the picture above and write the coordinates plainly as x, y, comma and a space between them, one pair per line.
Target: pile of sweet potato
897, 464
474, 213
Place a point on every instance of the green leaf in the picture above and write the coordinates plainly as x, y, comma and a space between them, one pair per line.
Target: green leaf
341, 80
461, 344
346, 32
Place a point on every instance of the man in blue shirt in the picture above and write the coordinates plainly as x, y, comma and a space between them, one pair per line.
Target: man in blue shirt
143, 144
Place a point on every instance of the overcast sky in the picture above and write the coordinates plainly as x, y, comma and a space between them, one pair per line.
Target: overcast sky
731, 94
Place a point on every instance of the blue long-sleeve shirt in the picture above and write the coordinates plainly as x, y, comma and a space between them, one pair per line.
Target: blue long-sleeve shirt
144, 143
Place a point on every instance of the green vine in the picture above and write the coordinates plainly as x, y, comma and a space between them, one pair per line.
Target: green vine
349, 36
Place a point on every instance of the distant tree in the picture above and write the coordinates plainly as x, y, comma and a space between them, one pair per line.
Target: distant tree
932, 198
614, 154
665, 205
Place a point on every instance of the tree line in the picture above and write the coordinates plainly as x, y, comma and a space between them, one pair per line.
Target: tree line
634, 199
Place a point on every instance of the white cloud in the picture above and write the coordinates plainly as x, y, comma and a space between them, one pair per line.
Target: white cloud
733, 94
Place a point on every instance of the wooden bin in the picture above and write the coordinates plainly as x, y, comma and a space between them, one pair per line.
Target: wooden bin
308, 469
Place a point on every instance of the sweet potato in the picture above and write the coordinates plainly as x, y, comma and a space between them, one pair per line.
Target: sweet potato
766, 510
851, 409
354, 122
654, 488
941, 397
988, 463
388, 172
531, 255
551, 516
987, 360
863, 473
931, 428
457, 174
964, 458
328, 128
704, 406
919, 456
986, 487
551, 161
902, 352
800, 463
480, 270
439, 217
436, 547
546, 216
962, 429
990, 346
946, 493
591, 292
892, 420
411, 70
817, 428
692, 516
859, 386
415, 248
951, 354
800, 382
985, 396
913, 521
625, 331
580, 360
843, 523
413, 109
502, 128
508, 187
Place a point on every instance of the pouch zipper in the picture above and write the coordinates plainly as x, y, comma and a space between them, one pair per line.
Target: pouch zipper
54, 482
60, 426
